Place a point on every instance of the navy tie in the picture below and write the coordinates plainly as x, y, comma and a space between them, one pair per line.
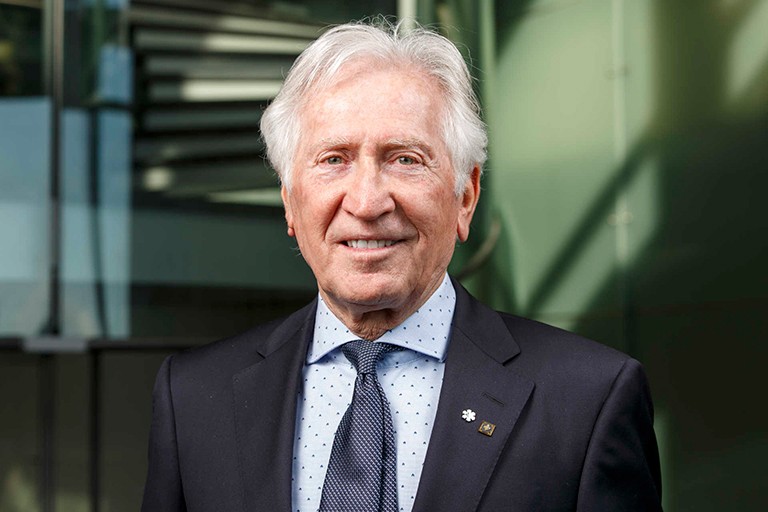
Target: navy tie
362, 471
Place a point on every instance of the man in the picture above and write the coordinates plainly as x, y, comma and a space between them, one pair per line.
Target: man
377, 139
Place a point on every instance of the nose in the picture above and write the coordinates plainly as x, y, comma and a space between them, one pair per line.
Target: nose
368, 195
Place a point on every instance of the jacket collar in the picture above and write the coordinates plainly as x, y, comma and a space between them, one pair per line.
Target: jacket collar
480, 376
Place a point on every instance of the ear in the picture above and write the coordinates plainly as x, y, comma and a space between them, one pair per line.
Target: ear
468, 204
288, 210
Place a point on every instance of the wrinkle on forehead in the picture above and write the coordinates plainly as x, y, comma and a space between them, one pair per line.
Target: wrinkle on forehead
352, 69
393, 143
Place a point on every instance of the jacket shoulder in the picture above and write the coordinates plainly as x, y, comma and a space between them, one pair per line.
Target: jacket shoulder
533, 334
551, 354
234, 353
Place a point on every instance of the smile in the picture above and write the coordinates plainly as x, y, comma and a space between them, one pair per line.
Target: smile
369, 244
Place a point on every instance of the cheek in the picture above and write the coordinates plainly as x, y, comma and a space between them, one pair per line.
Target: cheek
440, 231
447, 218
312, 220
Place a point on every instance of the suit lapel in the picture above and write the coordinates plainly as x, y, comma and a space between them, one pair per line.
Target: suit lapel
460, 460
265, 397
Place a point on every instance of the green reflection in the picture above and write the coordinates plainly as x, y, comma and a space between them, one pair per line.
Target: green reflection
18, 492
21, 51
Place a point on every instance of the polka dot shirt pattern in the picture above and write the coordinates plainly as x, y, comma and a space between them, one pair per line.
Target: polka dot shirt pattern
411, 379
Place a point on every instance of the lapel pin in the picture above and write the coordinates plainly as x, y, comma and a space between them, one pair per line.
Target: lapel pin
487, 428
468, 415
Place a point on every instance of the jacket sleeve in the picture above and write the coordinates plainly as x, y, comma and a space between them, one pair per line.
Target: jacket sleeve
163, 490
621, 469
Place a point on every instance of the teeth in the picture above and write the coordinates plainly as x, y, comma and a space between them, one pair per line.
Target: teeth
369, 244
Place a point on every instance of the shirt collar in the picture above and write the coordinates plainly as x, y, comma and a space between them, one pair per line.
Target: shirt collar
425, 331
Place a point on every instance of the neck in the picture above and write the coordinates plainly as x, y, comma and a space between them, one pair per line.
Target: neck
370, 323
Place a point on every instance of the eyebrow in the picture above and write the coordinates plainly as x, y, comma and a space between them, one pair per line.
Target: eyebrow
389, 144
329, 143
409, 143
406, 142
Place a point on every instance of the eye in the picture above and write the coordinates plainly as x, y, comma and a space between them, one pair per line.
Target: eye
406, 160
334, 160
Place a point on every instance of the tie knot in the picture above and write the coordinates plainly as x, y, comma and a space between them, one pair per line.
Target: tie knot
364, 355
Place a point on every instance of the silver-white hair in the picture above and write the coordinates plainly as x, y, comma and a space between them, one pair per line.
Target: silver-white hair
386, 43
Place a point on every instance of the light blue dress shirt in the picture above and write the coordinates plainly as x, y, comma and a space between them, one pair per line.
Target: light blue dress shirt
411, 379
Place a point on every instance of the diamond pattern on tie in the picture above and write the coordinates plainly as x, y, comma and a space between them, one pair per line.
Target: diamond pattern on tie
362, 471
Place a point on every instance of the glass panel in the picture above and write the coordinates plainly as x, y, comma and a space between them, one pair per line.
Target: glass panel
24, 173
559, 176
21, 49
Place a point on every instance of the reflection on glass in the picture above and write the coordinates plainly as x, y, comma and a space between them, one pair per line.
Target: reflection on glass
24, 220
21, 51
18, 492
20, 445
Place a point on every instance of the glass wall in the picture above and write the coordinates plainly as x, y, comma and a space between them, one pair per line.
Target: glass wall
132, 177
25, 159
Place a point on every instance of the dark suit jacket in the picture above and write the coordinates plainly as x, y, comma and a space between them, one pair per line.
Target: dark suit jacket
573, 422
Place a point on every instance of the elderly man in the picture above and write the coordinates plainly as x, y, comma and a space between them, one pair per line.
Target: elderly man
395, 389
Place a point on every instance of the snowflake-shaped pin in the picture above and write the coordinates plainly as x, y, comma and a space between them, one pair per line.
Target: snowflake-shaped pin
468, 415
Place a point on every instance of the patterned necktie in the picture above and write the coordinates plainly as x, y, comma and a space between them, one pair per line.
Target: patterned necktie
362, 471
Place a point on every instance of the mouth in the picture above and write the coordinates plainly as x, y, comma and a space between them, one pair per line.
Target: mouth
369, 244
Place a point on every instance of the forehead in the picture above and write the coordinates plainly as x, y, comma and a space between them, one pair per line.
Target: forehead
368, 96
360, 68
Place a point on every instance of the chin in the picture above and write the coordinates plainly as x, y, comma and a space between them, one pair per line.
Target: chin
384, 291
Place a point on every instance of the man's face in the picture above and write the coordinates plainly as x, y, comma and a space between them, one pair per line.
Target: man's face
372, 201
